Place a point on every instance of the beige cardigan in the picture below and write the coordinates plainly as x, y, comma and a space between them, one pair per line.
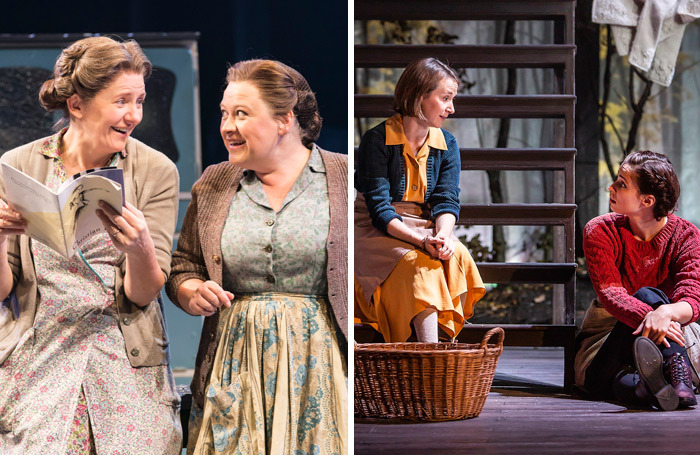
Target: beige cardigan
198, 253
151, 183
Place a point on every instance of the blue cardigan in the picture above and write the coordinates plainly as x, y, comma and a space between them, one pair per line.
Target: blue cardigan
380, 177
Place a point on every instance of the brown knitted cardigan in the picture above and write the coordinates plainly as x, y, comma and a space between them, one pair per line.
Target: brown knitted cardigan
198, 253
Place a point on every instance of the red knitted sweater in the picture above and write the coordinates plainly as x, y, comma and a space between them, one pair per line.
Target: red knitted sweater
619, 265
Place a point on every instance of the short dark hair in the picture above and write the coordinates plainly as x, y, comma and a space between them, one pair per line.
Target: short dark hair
654, 174
419, 78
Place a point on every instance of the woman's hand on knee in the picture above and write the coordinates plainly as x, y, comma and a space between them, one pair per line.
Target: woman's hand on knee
675, 333
207, 298
659, 327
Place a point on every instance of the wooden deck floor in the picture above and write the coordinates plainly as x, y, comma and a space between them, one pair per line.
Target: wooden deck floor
527, 413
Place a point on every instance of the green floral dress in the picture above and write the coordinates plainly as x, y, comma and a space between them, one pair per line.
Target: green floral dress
279, 380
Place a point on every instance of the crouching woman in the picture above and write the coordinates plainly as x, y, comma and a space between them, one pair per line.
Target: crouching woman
644, 264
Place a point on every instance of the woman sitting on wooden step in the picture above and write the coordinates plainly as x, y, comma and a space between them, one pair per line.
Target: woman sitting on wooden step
410, 269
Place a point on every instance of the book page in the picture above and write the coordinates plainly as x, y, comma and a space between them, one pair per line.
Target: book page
37, 204
111, 172
79, 201
64, 221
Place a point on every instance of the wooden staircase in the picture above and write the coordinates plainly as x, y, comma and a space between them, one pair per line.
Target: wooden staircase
558, 56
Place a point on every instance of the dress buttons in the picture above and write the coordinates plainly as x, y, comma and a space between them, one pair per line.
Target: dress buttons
268, 249
207, 358
270, 222
135, 352
212, 335
217, 259
126, 321
414, 187
270, 279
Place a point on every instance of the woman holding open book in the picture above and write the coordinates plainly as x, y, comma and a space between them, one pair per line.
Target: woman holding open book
83, 349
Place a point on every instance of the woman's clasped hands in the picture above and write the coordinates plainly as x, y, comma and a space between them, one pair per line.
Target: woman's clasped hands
439, 246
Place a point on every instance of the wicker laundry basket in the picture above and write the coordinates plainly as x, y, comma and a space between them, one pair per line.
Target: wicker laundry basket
425, 381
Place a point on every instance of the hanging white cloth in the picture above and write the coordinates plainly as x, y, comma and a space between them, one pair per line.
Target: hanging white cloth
649, 31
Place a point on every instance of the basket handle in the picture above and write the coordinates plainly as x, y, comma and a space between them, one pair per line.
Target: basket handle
500, 336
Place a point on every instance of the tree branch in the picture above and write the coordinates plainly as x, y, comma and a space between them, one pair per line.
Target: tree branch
604, 106
617, 133
638, 108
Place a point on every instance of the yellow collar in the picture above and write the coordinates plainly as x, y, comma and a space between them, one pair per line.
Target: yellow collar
396, 136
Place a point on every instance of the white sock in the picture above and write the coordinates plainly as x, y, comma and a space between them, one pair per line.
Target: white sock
426, 325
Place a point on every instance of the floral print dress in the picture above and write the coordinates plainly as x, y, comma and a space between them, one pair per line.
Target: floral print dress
279, 381
69, 387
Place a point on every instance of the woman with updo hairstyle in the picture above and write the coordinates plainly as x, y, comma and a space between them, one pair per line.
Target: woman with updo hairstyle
83, 348
263, 256
86, 67
410, 269
644, 263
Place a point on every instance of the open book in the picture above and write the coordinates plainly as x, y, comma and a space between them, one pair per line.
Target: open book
66, 218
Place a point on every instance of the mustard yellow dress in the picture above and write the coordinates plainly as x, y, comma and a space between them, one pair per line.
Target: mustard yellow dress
404, 280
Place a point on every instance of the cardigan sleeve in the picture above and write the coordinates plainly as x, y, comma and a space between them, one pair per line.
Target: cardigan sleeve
445, 196
602, 248
686, 266
373, 178
187, 260
157, 199
14, 258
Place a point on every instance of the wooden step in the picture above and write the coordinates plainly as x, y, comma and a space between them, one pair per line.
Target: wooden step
527, 272
516, 214
521, 159
463, 10
466, 56
559, 11
489, 106
551, 214
517, 159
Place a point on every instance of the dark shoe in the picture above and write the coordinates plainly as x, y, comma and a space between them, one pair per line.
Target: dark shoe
677, 372
628, 389
649, 362
642, 394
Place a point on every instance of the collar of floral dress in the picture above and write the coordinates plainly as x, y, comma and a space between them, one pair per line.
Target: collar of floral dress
52, 145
